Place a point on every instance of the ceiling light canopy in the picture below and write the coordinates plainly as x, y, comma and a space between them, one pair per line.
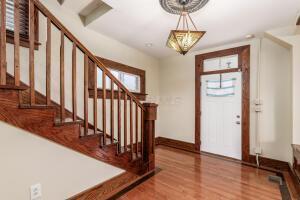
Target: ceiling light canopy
183, 38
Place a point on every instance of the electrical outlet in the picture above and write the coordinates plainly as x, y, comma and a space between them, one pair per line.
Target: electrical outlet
35, 191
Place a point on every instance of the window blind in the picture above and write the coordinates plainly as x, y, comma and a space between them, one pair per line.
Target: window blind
24, 17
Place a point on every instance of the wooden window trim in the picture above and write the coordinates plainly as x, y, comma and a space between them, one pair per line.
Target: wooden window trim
123, 68
24, 39
244, 67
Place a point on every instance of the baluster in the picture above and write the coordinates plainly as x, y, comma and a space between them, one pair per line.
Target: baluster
119, 120
125, 122
62, 77
112, 110
142, 132
74, 84
104, 106
86, 93
3, 44
31, 51
95, 100
136, 128
131, 129
48, 63
17, 42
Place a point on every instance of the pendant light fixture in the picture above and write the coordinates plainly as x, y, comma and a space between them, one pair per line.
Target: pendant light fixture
186, 34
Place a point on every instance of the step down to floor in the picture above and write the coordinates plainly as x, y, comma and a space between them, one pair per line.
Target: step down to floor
136, 157
67, 121
13, 87
35, 106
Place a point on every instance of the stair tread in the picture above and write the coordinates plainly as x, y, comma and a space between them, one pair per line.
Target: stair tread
36, 106
13, 87
67, 121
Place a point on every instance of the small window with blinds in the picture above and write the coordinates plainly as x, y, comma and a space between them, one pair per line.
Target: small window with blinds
24, 22
24, 17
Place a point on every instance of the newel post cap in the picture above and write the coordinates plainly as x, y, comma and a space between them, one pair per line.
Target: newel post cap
150, 111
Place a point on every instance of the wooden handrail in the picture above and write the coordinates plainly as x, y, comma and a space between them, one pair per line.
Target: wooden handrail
91, 56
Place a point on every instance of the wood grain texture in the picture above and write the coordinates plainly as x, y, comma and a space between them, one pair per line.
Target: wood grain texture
3, 67
95, 103
104, 106
131, 127
86, 80
17, 42
112, 113
74, 82
125, 122
191, 176
31, 52
40, 120
48, 62
119, 121
139, 96
62, 77
108, 188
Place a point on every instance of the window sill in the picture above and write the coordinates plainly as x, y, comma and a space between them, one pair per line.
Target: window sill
139, 96
24, 42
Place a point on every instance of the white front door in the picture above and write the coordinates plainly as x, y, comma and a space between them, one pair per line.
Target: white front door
221, 114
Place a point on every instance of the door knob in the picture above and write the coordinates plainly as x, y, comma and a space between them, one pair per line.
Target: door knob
238, 122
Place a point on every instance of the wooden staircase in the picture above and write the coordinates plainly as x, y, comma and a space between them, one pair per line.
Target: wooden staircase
129, 144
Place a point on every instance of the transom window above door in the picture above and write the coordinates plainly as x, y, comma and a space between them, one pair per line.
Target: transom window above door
221, 63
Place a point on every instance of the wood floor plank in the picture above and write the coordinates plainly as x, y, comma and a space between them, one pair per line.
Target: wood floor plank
192, 176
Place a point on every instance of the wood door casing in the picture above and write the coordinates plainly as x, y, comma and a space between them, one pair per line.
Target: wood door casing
244, 66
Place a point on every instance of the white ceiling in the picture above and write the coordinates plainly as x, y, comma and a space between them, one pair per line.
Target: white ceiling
137, 22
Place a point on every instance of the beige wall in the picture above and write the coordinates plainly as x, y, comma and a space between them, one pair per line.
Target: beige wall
177, 105
27, 159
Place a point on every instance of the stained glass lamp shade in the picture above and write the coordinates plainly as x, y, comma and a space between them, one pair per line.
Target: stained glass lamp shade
182, 40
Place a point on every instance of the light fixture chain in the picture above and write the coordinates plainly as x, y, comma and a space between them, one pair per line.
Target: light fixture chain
179, 22
192, 22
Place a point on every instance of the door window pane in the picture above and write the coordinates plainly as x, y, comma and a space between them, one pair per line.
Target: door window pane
229, 62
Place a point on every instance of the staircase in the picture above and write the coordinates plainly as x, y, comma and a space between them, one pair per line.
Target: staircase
123, 137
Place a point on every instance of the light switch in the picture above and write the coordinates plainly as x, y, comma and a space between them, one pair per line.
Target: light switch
35, 191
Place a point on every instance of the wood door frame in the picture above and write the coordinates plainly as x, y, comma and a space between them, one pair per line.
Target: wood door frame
244, 67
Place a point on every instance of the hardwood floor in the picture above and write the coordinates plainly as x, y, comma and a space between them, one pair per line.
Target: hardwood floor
187, 176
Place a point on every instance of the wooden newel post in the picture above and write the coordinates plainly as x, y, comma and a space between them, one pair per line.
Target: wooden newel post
150, 115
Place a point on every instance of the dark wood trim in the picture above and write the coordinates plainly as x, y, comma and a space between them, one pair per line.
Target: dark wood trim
139, 96
186, 146
123, 68
114, 187
24, 39
271, 163
293, 182
298, 22
244, 66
